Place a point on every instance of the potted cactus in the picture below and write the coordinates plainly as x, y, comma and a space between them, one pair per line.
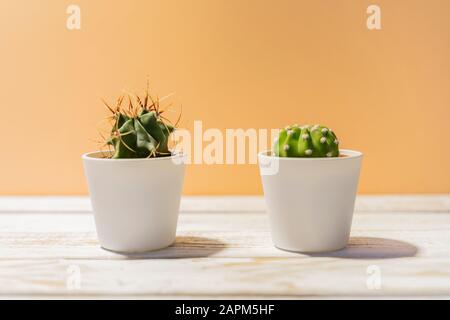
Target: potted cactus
135, 186
310, 188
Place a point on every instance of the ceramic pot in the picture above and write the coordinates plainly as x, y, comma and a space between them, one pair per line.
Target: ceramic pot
310, 200
135, 201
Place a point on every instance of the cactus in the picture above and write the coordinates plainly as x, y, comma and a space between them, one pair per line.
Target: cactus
139, 130
307, 142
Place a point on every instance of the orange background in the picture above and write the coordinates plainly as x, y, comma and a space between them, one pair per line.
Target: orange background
232, 64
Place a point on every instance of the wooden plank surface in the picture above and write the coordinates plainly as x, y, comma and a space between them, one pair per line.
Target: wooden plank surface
223, 249
210, 204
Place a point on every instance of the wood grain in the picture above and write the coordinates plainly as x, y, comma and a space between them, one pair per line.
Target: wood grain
233, 204
226, 254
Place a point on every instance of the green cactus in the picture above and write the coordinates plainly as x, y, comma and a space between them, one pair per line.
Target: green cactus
139, 131
307, 142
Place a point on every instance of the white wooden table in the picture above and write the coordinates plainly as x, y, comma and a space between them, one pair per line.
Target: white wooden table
399, 247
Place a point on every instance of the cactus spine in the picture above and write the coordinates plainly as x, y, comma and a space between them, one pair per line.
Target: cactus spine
306, 141
139, 130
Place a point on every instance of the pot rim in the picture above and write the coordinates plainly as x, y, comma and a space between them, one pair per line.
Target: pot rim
89, 156
349, 154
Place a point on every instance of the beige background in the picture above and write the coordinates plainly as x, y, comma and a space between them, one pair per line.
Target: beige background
232, 64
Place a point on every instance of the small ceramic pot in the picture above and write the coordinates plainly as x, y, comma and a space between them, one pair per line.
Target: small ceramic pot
310, 200
135, 201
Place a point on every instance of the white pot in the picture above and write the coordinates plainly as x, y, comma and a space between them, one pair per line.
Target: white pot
310, 200
135, 201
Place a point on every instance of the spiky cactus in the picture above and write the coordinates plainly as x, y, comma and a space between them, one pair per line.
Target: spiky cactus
139, 130
306, 141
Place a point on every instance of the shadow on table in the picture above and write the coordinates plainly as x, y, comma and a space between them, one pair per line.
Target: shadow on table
183, 247
372, 248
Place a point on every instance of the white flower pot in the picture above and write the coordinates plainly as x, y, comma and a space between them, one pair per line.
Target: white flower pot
310, 200
135, 201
